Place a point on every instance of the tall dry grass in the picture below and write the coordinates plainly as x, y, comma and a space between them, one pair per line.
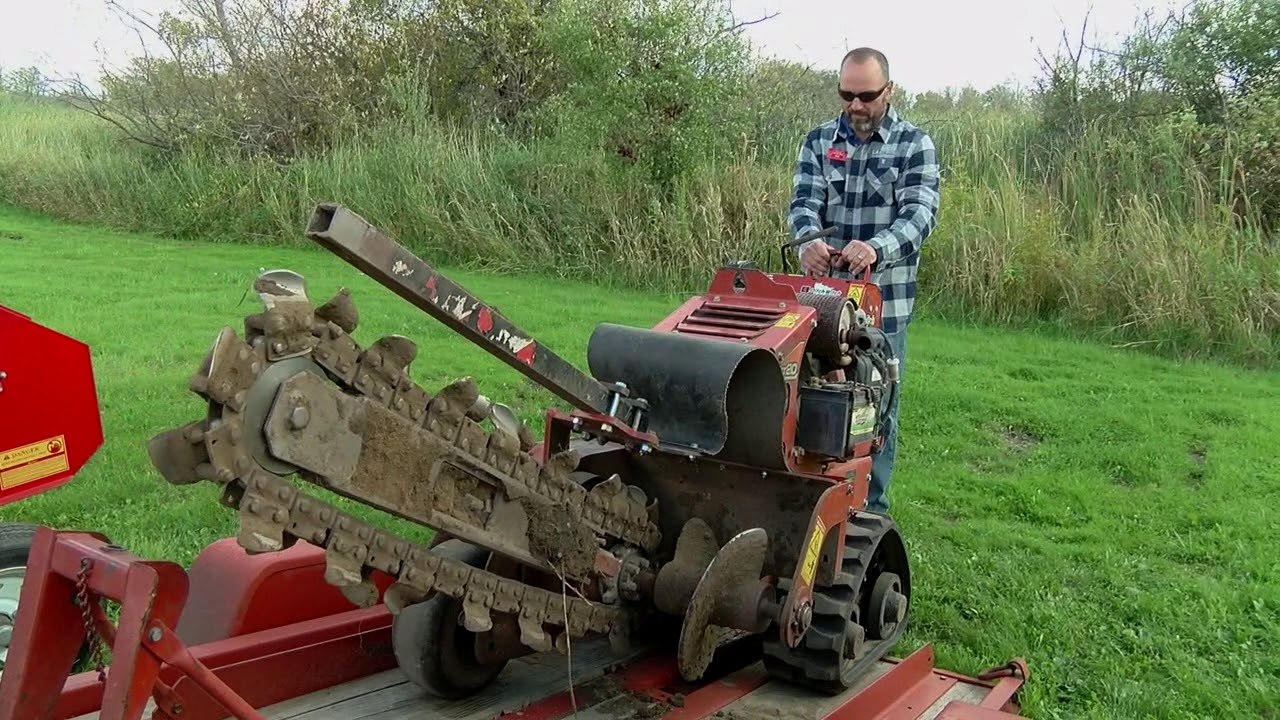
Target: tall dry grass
1111, 240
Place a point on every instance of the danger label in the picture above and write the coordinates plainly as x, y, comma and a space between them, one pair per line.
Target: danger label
810, 565
33, 462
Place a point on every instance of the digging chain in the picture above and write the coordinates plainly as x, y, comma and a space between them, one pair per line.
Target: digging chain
273, 513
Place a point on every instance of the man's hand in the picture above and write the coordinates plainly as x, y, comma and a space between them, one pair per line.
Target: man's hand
815, 257
858, 255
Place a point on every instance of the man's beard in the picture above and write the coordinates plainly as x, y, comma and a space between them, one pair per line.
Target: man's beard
863, 123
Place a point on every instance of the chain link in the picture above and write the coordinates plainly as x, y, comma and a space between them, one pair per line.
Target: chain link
90, 632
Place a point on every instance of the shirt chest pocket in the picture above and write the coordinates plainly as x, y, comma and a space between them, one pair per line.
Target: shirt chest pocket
880, 185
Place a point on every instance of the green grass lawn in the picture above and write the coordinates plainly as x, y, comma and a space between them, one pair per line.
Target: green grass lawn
1112, 517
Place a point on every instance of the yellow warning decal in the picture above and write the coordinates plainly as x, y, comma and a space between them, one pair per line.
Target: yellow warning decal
789, 320
855, 292
811, 554
36, 461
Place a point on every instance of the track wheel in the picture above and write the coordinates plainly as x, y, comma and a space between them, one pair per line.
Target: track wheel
433, 648
857, 619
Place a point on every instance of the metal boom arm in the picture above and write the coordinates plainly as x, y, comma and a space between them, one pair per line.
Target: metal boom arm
352, 238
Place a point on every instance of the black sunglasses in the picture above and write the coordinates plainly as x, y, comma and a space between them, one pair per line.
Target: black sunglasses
865, 96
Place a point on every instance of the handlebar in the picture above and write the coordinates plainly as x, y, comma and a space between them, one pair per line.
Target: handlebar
864, 276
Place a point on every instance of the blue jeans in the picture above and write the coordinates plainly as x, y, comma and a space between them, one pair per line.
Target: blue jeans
882, 462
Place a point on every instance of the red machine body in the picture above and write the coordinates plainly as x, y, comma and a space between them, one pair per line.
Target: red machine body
49, 420
764, 309
749, 306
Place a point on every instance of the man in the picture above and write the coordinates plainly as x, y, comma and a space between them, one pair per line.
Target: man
873, 176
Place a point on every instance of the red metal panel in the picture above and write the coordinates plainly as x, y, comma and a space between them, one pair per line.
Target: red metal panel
657, 678
903, 692
234, 593
295, 660
50, 425
45, 644
715, 696
914, 684
147, 657
269, 666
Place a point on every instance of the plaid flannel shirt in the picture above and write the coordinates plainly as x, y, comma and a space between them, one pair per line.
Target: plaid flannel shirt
884, 192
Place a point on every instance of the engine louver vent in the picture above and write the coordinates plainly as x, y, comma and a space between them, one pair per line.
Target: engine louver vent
729, 321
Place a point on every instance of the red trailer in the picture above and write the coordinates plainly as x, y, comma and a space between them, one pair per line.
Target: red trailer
266, 637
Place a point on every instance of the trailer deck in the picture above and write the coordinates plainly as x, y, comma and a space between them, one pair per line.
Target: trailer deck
612, 687
337, 664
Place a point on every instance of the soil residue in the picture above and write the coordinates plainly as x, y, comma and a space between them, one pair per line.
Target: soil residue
1197, 455
761, 714
608, 695
1020, 439
395, 459
558, 537
270, 287
340, 310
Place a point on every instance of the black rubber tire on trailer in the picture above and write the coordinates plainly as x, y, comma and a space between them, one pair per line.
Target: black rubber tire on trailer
433, 648
15, 552
15, 548
15, 544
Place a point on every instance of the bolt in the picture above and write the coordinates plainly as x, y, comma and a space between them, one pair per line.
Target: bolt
154, 634
299, 418
804, 616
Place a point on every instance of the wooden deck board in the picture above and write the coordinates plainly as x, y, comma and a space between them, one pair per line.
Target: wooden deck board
390, 696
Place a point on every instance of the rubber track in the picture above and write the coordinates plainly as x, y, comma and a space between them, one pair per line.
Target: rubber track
817, 661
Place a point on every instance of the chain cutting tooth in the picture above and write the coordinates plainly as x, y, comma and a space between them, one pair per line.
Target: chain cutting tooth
475, 606
531, 633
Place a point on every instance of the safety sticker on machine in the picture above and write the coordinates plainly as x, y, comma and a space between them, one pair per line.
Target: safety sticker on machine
855, 293
33, 462
810, 565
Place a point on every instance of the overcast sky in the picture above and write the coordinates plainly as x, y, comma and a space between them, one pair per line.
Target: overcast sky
931, 44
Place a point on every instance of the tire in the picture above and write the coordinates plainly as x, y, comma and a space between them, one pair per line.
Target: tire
15, 544
432, 648
15, 551
15, 548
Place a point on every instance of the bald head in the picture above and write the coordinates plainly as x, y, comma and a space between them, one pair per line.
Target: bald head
867, 56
